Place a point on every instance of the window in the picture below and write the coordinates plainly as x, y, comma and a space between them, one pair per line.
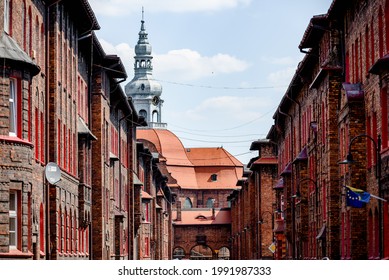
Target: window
41, 228
210, 202
37, 148
7, 16
147, 246
146, 212
13, 220
155, 116
187, 203
214, 177
13, 108
143, 113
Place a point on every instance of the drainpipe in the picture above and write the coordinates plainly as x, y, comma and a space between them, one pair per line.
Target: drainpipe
299, 124
47, 130
292, 185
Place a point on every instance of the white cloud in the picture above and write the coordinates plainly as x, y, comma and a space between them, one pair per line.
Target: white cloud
282, 77
125, 7
287, 60
228, 109
180, 65
189, 65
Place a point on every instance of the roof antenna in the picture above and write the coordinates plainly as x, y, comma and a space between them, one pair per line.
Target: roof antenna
143, 14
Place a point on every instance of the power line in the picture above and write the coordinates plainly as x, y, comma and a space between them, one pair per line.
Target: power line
207, 141
226, 129
219, 136
222, 87
209, 158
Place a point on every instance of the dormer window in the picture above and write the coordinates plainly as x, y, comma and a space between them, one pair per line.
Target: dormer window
214, 177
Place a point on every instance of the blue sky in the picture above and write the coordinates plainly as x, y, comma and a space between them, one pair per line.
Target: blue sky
224, 65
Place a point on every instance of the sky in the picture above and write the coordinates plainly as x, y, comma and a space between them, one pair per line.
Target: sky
224, 65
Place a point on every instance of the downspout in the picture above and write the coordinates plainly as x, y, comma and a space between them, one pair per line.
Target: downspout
292, 185
81, 37
299, 124
47, 130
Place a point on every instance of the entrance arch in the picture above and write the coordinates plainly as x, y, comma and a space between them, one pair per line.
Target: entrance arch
201, 252
178, 253
223, 253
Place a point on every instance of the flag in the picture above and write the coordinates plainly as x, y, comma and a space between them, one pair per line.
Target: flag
356, 197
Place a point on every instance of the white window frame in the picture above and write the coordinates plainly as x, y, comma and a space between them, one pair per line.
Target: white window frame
7, 16
146, 211
13, 219
13, 108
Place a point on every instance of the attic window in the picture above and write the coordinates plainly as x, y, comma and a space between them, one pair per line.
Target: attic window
201, 217
214, 177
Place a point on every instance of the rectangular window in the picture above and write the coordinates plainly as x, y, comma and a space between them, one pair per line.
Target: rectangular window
146, 212
65, 155
70, 151
37, 134
42, 138
369, 143
7, 16
13, 108
384, 117
59, 143
147, 246
13, 220
324, 199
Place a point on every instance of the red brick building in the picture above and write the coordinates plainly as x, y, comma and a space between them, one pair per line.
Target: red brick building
61, 104
255, 216
200, 180
336, 106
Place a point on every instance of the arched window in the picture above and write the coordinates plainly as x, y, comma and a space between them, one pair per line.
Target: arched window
155, 116
210, 202
187, 203
178, 253
223, 253
201, 252
143, 113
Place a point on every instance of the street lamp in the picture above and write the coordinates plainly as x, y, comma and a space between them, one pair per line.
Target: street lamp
261, 222
349, 160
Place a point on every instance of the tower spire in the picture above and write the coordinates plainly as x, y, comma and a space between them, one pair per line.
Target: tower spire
144, 91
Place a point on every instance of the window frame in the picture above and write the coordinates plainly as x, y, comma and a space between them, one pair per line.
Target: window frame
14, 199
7, 16
14, 108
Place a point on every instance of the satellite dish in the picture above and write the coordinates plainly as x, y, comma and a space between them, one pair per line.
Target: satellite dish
53, 173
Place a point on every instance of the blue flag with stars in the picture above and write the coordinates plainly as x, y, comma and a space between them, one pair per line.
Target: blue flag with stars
356, 197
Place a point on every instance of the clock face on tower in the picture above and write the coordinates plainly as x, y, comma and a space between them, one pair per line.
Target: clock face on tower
155, 100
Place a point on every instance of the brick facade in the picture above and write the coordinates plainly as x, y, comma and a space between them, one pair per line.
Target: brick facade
253, 209
69, 110
336, 104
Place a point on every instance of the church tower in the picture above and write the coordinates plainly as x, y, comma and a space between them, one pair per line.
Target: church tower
144, 91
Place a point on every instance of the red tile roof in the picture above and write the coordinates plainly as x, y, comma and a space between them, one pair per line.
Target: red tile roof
203, 217
193, 167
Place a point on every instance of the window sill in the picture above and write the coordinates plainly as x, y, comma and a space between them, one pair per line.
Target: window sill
16, 254
17, 140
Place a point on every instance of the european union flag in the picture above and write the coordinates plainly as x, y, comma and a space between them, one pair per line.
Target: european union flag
356, 197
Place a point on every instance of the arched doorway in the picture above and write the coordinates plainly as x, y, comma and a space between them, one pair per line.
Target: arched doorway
223, 253
178, 253
201, 252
